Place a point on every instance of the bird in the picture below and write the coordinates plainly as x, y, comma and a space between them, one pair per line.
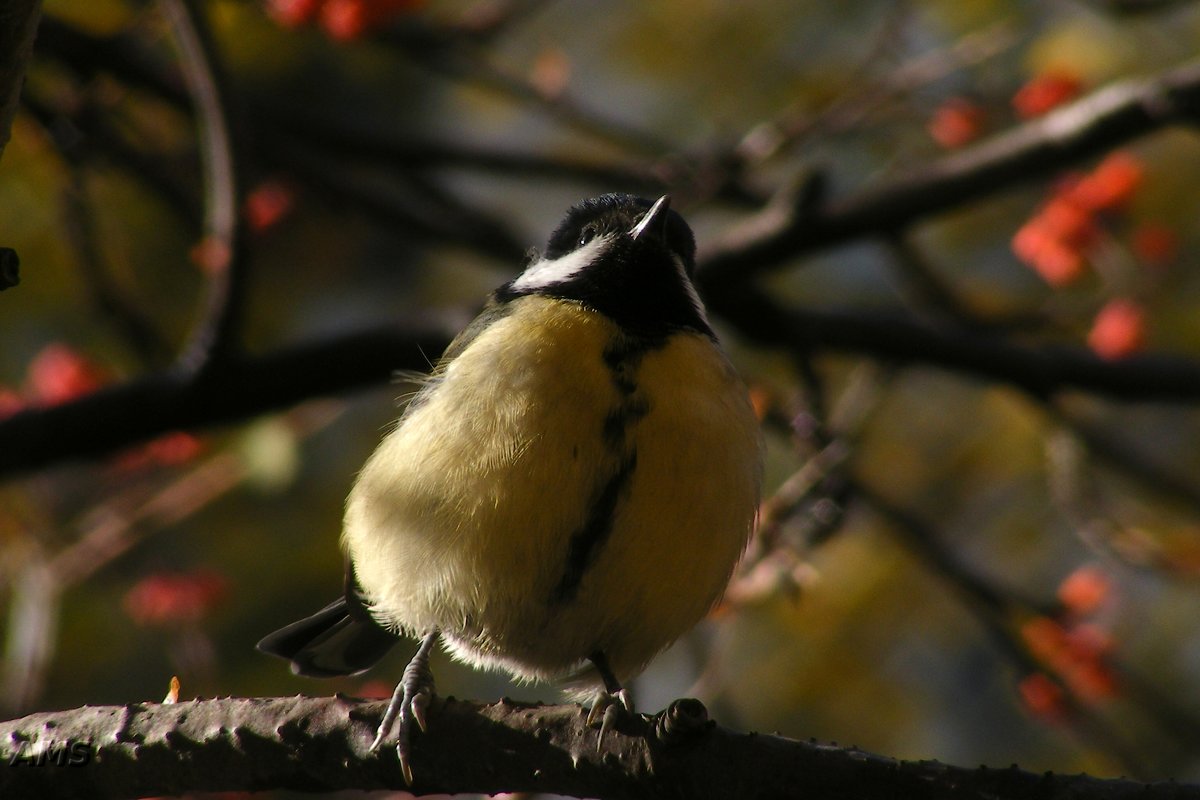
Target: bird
567, 493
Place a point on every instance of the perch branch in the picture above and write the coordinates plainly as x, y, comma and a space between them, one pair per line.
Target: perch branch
315, 744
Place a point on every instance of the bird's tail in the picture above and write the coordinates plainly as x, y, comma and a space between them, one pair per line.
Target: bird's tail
340, 639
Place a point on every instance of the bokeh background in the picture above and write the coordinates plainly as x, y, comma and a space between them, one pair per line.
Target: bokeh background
955, 570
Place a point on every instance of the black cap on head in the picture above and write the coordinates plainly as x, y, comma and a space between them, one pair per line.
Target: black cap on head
620, 213
624, 256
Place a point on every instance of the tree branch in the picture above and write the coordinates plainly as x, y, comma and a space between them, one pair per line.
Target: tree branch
140, 409
1040, 371
1098, 122
315, 744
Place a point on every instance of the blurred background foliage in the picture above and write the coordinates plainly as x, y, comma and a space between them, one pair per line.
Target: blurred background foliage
202, 543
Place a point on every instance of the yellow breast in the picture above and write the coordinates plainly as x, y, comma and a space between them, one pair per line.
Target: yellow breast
562, 488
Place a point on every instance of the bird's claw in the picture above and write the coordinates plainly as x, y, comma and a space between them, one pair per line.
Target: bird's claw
606, 710
409, 704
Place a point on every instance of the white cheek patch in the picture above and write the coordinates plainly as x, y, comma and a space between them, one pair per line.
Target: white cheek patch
690, 288
560, 270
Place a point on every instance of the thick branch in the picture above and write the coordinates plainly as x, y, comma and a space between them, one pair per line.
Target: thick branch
1040, 370
1102, 120
128, 413
316, 744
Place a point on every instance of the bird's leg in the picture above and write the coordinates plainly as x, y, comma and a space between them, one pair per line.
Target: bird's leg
606, 707
409, 701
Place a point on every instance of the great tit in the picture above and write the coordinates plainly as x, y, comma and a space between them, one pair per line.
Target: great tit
569, 491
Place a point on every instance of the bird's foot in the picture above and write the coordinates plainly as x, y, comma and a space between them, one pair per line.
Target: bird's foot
409, 703
606, 710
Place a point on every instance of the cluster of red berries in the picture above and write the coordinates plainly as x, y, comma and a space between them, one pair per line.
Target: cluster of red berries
1064, 236
1072, 647
343, 20
169, 598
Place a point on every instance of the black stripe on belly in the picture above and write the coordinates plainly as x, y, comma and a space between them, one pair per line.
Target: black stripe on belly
587, 541
623, 356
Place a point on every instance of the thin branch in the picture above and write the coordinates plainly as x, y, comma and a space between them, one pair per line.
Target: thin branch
320, 744
1124, 456
994, 608
399, 203
211, 341
113, 527
357, 143
456, 59
86, 136
1100, 121
929, 294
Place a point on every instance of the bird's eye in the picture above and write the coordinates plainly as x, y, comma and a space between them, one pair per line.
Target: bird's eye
586, 235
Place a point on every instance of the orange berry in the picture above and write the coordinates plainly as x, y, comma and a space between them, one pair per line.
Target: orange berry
1119, 329
1085, 590
1069, 223
346, 20
1110, 185
551, 72
58, 374
267, 204
1088, 642
166, 598
1046, 91
1058, 264
293, 13
1039, 246
956, 122
1046, 638
1093, 681
211, 255
1042, 697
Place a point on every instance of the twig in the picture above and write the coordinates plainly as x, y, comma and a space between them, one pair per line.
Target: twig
402, 204
212, 339
334, 137
115, 526
459, 60
32, 627
1124, 456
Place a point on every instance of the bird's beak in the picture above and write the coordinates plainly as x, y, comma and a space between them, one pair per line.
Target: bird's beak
655, 221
